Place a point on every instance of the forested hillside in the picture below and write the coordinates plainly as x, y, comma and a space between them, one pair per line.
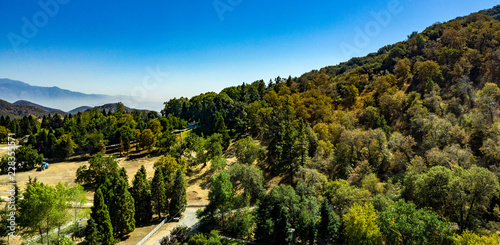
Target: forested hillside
416, 122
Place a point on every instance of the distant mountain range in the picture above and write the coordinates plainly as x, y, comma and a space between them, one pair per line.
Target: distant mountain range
54, 97
23, 108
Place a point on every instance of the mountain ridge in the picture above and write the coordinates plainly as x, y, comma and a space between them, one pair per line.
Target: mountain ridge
53, 97
48, 109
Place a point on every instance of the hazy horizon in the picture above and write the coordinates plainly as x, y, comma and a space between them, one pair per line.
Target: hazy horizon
159, 50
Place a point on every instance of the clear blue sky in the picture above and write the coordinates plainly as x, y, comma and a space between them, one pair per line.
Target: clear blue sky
109, 47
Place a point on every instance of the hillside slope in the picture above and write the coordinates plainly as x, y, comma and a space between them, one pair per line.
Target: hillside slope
16, 111
51, 110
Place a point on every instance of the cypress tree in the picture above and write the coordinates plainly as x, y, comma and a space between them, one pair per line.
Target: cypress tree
123, 174
178, 202
141, 193
122, 208
100, 215
158, 192
92, 236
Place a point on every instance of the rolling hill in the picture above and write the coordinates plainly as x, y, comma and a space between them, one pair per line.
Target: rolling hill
48, 109
79, 109
15, 111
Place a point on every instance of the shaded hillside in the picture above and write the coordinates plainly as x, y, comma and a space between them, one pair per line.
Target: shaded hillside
493, 12
114, 107
79, 109
16, 111
51, 110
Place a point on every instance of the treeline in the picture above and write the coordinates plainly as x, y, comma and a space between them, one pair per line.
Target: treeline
89, 133
412, 128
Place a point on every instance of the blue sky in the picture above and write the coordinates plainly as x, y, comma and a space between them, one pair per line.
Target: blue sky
164, 49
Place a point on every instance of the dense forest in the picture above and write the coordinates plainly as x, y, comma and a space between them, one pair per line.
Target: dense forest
399, 147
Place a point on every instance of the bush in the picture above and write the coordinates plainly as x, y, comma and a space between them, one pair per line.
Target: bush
213, 238
469, 237
178, 235
197, 239
241, 224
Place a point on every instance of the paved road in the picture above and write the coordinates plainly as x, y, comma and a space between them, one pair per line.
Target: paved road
189, 219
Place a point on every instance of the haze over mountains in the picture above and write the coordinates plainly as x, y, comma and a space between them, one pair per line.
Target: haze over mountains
62, 99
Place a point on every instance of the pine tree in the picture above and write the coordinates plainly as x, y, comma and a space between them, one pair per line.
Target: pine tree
178, 202
158, 192
329, 226
122, 208
120, 145
100, 215
92, 236
141, 193
123, 174
282, 226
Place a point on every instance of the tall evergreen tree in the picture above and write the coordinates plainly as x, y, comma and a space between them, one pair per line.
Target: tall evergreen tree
123, 174
158, 192
329, 226
141, 193
282, 225
100, 215
123, 208
178, 202
92, 236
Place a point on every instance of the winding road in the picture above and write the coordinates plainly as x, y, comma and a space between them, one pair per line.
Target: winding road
188, 219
